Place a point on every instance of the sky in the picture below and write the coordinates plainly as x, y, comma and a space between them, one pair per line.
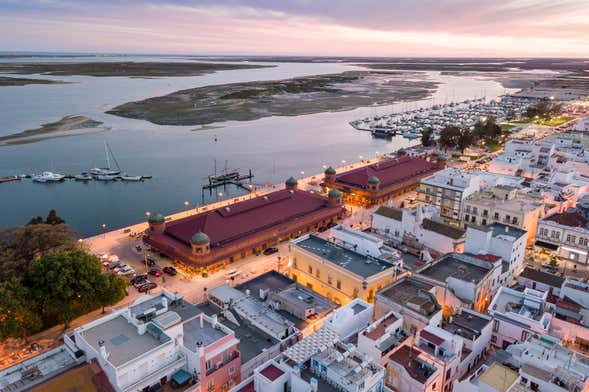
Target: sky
424, 28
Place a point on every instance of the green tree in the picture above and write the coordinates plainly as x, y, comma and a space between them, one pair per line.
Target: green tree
36, 220
63, 285
53, 218
19, 246
449, 137
465, 139
427, 137
110, 289
17, 319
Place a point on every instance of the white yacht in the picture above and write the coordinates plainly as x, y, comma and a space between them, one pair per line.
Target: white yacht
126, 177
106, 171
48, 177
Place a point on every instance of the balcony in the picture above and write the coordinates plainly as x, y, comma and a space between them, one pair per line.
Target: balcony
218, 366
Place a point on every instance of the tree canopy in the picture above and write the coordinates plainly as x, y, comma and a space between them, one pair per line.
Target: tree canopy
56, 288
544, 109
427, 137
20, 245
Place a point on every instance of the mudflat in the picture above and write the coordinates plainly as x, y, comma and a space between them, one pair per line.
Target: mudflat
7, 81
288, 97
127, 69
67, 126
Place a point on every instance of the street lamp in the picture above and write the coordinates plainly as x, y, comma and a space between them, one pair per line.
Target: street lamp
302, 173
104, 230
186, 204
219, 196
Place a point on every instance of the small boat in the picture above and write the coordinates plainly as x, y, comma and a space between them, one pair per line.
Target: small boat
126, 177
8, 179
106, 177
48, 177
83, 177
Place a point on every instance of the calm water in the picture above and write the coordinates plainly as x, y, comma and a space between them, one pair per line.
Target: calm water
178, 159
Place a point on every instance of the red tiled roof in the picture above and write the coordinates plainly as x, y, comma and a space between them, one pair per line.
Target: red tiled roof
237, 221
380, 328
489, 257
389, 172
568, 218
431, 337
249, 387
271, 372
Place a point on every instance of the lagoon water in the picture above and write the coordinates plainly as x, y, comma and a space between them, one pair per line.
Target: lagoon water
178, 158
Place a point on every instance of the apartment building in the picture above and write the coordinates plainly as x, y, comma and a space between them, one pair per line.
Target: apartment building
567, 233
506, 205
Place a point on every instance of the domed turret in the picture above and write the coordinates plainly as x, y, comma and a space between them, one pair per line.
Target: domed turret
373, 184
200, 244
330, 170
329, 177
335, 197
373, 180
200, 238
156, 218
291, 183
157, 223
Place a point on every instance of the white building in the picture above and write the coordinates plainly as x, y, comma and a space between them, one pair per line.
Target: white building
506, 242
365, 244
568, 233
446, 191
545, 366
410, 370
462, 281
493, 378
381, 337
422, 228
523, 158
540, 280
153, 339
518, 315
350, 319
475, 329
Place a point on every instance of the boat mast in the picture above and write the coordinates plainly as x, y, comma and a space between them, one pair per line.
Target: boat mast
107, 158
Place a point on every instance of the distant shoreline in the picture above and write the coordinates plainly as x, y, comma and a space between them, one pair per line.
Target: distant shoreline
6, 81
67, 126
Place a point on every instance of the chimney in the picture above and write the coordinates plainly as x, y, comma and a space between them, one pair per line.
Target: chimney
102, 349
296, 369
141, 327
202, 321
507, 229
247, 292
165, 302
214, 320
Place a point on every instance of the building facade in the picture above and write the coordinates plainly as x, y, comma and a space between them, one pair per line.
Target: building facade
381, 181
209, 240
338, 273
568, 234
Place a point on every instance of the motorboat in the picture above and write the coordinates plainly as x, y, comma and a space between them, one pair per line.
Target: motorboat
106, 177
126, 177
48, 177
83, 177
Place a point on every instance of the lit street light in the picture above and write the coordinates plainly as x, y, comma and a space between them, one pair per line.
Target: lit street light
186, 204
104, 230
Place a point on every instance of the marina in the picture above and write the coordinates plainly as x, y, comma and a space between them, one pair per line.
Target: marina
411, 123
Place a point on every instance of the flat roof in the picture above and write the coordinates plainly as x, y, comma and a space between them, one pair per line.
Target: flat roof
271, 372
271, 280
542, 277
467, 324
239, 221
389, 171
362, 265
390, 212
252, 341
121, 339
195, 334
410, 290
443, 228
500, 377
407, 357
450, 266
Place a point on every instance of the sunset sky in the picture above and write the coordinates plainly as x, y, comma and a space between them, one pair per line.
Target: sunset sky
487, 28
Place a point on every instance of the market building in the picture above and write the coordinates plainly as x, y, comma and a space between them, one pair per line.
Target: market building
211, 239
380, 181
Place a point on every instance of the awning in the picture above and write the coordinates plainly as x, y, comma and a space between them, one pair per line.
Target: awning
181, 377
546, 245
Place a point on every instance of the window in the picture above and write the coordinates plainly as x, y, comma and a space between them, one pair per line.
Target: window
232, 370
338, 284
468, 209
294, 262
495, 325
356, 292
493, 339
514, 220
310, 269
329, 279
484, 222
525, 335
209, 364
485, 213
317, 273
475, 210
473, 219
448, 373
496, 216
466, 217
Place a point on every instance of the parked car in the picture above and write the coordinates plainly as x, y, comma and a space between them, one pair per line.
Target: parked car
231, 273
150, 261
114, 264
139, 278
155, 271
126, 271
138, 248
140, 283
170, 271
146, 287
270, 251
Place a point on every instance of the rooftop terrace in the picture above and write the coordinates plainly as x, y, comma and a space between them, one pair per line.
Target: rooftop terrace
412, 293
453, 266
